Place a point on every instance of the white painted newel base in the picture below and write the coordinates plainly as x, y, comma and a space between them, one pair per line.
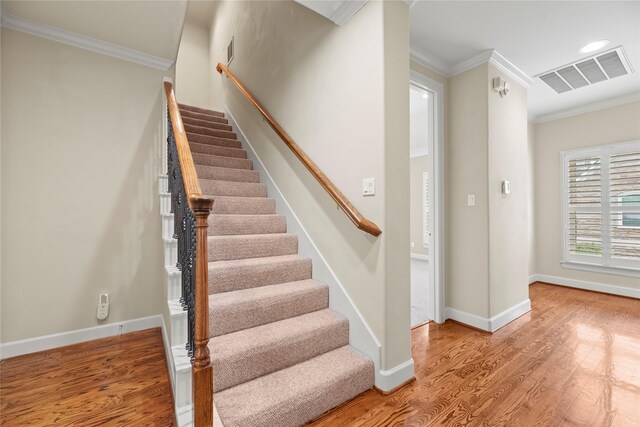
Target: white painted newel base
494, 323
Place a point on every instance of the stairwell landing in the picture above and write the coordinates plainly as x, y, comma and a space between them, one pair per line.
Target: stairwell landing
281, 357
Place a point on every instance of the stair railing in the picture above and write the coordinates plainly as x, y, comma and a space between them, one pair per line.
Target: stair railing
191, 212
343, 203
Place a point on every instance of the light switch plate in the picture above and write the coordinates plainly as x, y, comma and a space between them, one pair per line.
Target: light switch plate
368, 187
471, 200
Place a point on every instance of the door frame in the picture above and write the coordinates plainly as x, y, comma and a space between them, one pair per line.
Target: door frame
436, 252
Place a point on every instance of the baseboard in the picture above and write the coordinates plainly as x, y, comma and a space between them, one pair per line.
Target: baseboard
395, 378
360, 335
420, 257
492, 324
587, 286
47, 342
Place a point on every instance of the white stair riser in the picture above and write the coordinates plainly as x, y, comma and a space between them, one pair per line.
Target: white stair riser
179, 328
167, 226
165, 203
171, 252
182, 387
163, 184
174, 285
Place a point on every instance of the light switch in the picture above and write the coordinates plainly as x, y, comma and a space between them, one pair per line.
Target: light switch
506, 187
471, 200
368, 187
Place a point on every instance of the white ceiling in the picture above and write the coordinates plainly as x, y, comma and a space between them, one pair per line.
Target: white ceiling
535, 36
153, 27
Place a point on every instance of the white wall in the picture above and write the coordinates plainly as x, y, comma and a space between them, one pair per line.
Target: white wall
81, 153
508, 214
341, 93
193, 72
614, 124
531, 166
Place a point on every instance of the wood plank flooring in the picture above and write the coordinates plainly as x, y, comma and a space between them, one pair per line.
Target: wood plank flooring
119, 380
573, 361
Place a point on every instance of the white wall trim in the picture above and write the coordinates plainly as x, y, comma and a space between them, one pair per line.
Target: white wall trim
47, 342
494, 323
585, 285
339, 15
420, 257
396, 376
589, 108
510, 69
418, 152
431, 62
437, 270
84, 42
361, 336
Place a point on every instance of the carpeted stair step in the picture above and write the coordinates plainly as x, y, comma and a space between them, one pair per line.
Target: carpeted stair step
201, 116
227, 174
212, 187
247, 308
226, 276
244, 206
209, 131
213, 140
225, 248
222, 161
200, 110
207, 124
298, 394
245, 355
229, 225
217, 150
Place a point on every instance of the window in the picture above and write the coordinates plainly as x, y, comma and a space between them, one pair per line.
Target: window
601, 212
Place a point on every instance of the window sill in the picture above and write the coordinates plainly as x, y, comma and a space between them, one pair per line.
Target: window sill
618, 271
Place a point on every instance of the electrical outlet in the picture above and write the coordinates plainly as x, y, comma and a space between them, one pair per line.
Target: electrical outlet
103, 307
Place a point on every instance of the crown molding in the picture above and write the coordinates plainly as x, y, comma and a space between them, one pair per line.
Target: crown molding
583, 109
81, 41
409, 3
503, 64
346, 10
431, 62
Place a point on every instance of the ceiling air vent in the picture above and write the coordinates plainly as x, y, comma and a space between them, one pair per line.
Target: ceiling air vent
597, 68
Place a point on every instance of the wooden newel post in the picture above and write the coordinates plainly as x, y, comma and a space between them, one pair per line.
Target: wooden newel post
202, 369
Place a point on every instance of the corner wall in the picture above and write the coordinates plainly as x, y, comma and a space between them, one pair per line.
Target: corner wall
81, 155
193, 73
616, 124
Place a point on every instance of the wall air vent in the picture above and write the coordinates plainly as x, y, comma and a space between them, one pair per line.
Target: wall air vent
587, 71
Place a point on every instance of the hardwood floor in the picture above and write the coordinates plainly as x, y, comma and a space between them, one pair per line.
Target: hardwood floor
112, 381
574, 360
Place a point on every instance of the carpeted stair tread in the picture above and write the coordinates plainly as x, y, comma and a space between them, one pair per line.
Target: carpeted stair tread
224, 248
213, 140
296, 395
247, 308
221, 125
248, 354
217, 150
200, 110
226, 225
244, 205
221, 161
212, 187
233, 275
201, 116
200, 130
227, 174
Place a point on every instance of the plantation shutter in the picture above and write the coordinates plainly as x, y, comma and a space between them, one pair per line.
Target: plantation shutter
585, 206
624, 193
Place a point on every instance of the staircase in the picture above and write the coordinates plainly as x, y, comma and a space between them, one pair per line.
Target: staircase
280, 355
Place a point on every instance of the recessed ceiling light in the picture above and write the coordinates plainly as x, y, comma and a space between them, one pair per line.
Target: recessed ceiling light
593, 46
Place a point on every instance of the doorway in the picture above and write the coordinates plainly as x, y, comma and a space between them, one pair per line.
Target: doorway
426, 207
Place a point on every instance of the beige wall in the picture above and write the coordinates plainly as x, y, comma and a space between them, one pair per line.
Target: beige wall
81, 153
614, 124
531, 144
341, 93
193, 77
508, 214
419, 165
466, 169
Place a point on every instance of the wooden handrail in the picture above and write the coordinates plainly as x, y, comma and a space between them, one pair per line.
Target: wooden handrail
202, 370
189, 175
356, 217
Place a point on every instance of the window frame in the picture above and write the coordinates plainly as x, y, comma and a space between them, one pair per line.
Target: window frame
603, 263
